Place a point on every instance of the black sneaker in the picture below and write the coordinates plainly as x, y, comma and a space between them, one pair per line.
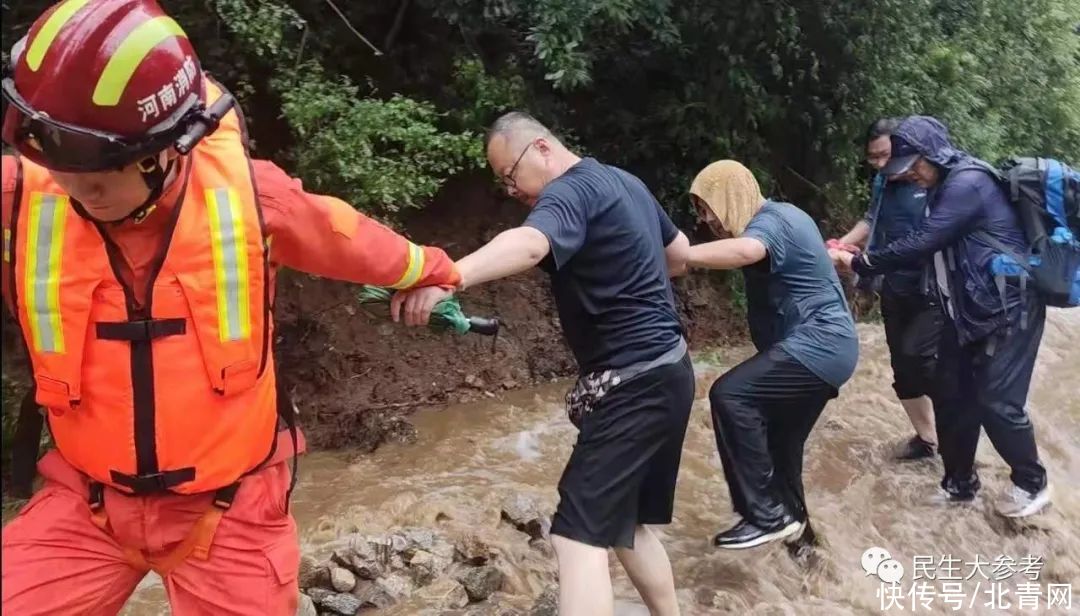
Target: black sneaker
746, 535
916, 449
954, 492
948, 497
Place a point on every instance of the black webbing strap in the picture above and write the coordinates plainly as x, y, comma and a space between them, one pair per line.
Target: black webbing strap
26, 446
156, 483
133, 331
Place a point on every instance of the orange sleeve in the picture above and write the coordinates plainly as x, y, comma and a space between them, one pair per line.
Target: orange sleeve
8, 180
327, 237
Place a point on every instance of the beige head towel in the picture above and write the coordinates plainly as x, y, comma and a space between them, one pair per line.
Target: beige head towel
729, 189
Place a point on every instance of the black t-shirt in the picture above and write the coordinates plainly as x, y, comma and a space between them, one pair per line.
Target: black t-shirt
607, 265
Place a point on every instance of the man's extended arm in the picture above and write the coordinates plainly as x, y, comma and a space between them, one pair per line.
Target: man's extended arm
727, 254
858, 234
956, 214
508, 253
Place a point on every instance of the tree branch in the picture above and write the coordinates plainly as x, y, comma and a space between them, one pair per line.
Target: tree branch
354, 30
395, 28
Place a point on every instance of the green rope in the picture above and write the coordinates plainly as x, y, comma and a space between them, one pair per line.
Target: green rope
446, 316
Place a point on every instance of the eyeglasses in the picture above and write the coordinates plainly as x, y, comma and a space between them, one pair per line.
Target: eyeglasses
508, 181
878, 157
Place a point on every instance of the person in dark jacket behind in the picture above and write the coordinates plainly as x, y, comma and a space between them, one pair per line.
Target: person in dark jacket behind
912, 316
989, 346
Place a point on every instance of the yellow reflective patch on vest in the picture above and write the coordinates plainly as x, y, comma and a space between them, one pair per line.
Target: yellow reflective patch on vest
7, 245
413, 269
44, 249
229, 246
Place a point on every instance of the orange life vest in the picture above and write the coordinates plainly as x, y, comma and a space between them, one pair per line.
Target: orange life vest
178, 394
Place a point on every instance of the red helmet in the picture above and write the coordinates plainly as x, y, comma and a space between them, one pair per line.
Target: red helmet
100, 84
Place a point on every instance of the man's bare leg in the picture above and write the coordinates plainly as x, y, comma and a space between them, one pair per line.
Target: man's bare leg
921, 413
650, 571
584, 579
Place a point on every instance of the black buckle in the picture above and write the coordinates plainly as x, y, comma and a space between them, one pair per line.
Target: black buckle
138, 331
147, 165
223, 497
153, 483
97, 495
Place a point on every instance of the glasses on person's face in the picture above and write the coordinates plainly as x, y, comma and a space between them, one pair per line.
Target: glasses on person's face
508, 180
878, 159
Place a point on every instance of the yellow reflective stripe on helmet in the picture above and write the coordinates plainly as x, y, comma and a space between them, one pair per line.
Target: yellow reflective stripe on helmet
229, 246
35, 54
129, 55
44, 247
414, 268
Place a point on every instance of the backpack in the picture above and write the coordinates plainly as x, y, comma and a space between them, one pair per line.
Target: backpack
1046, 195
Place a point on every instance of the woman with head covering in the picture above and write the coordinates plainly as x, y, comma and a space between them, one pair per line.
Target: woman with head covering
763, 409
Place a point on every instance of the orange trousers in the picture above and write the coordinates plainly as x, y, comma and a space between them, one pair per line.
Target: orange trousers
57, 561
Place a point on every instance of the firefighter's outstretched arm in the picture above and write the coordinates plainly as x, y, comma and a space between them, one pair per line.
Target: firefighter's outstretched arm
327, 237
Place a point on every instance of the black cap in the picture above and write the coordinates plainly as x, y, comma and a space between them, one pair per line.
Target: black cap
902, 157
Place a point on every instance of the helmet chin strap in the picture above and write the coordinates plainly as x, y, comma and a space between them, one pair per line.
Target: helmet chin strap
154, 175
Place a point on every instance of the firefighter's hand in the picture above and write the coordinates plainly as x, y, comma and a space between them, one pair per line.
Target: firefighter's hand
414, 306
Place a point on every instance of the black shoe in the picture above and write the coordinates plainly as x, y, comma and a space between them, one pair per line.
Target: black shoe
946, 497
954, 492
917, 449
746, 535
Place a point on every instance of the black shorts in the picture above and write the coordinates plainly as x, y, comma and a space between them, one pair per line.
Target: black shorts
912, 330
623, 469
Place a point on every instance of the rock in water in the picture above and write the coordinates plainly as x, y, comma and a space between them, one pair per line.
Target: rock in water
493, 606
397, 585
480, 582
525, 514
378, 548
342, 579
483, 610
547, 604
371, 594
444, 549
363, 547
445, 594
425, 567
543, 546
473, 551
364, 563
318, 595
311, 573
341, 603
419, 539
306, 607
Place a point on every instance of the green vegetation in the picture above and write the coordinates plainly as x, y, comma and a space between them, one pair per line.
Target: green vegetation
657, 86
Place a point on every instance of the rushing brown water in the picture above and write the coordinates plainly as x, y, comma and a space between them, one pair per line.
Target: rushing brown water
468, 458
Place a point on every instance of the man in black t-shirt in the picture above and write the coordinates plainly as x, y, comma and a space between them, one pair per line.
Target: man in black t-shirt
610, 251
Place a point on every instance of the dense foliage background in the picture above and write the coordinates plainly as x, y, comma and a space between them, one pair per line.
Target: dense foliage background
381, 101
657, 86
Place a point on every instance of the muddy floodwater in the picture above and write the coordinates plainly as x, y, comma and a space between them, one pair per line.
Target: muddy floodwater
469, 458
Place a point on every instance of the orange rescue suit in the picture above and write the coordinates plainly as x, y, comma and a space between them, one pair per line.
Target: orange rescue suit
176, 392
